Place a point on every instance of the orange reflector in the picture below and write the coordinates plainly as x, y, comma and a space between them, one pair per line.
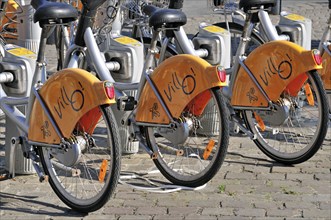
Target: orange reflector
208, 149
259, 121
309, 94
103, 170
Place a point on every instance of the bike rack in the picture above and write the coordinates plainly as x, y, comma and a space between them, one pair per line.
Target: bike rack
28, 36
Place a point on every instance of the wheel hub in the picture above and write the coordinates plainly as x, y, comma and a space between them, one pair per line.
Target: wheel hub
71, 155
179, 135
279, 115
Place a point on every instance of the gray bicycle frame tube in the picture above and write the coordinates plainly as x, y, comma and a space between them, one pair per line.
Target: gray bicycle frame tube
267, 26
184, 42
186, 45
326, 36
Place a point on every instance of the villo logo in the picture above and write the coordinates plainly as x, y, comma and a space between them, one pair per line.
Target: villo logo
73, 100
283, 69
187, 85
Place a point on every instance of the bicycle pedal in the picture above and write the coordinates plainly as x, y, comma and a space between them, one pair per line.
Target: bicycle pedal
126, 103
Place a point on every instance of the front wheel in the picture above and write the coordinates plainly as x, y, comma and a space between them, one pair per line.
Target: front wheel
191, 154
294, 131
86, 178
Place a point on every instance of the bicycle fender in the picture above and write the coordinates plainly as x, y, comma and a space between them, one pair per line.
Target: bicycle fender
71, 97
326, 71
277, 66
179, 80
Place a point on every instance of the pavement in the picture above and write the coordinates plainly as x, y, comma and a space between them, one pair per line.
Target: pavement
249, 185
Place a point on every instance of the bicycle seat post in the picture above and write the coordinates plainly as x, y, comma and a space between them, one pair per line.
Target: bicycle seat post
251, 16
152, 49
40, 64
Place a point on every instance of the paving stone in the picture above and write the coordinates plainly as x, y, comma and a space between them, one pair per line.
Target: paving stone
240, 176
201, 217
168, 217
317, 213
183, 210
218, 211
270, 176
119, 211
100, 217
325, 205
135, 217
151, 210
299, 177
250, 212
284, 213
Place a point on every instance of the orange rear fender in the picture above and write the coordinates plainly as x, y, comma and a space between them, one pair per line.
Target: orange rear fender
72, 97
277, 66
179, 80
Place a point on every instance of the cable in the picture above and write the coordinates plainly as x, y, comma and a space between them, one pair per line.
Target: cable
153, 187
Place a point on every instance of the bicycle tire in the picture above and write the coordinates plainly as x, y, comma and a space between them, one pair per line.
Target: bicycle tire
309, 125
185, 163
236, 33
79, 186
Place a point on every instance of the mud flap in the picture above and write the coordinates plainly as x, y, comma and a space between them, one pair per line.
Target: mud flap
72, 97
277, 66
179, 80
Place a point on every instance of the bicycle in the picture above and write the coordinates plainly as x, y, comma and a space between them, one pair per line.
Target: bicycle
284, 108
171, 110
264, 31
68, 129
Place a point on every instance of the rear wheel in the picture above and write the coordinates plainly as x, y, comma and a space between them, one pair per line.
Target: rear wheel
296, 129
191, 154
85, 180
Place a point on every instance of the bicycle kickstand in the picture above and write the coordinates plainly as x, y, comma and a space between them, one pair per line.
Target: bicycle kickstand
16, 141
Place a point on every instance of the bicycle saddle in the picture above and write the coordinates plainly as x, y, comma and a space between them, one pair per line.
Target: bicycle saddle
255, 4
53, 12
162, 17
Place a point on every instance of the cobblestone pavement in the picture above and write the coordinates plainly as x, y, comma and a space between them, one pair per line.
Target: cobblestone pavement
248, 186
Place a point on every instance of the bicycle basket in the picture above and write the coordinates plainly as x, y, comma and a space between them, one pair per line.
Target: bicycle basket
131, 9
8, 15
223, 6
